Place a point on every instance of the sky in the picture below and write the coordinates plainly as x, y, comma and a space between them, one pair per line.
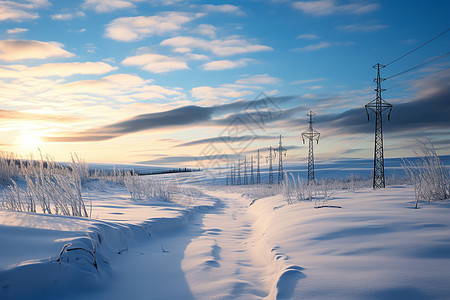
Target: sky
202, 83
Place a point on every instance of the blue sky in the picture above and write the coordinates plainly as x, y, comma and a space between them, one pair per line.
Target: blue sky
165, 81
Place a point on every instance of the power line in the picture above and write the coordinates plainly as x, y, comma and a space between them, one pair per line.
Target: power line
440, 34
420, 65
412, 80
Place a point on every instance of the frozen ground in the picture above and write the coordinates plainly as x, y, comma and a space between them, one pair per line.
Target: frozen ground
229, 244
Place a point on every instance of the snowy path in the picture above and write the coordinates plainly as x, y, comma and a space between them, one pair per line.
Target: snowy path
207, 259
219, 263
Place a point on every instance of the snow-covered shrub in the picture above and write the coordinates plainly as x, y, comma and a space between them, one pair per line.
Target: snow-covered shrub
429, 175
141, 189
54, 188
116, 176
8, 166
295, 190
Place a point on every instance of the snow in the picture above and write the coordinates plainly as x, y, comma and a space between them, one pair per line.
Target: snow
228, 244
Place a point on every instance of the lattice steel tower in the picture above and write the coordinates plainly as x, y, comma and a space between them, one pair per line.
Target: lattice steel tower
281, 151
252, 174
311, 135
378, 106
239, 172
245, 171
258, 173
269, 159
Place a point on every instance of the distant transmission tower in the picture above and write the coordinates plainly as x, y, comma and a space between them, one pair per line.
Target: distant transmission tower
269, 159
239, 172
378, 106
311, 135
258, 170
245, 171
252, 174
232, 174
280, 150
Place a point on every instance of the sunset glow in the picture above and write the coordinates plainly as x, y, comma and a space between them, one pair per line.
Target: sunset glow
161, 82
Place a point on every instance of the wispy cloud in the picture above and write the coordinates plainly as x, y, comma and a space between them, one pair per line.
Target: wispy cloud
227, 139
181, 117
55, 69
220, 65
15, 50
230, 46
218, 93
129, 29
207, 30
24, 116
223, 8
321, 45
104, 6
359, 27
156, 63
259, 79
16, 30
330, 7
308, 36
21, 10
314, 47
303, 81
67, 16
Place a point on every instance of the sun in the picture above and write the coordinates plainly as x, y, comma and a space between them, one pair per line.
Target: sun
30, 140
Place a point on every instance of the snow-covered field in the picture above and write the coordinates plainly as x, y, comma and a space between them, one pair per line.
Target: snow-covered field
229, 243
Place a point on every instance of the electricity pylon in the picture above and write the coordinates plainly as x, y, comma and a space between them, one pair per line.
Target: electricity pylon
311, 135
245, 171
258, 172
378, 106
239, 172
231, 174
252, 178
269, 159
281, 151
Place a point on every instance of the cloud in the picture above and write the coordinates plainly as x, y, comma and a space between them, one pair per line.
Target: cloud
183, 116
211, 93
129, 29
55, 69
14, 50
178, 117
193, 56
183, 159
224, 8
227, 139
122, 87
308, 36
23, 116
16, 30
20, 11
362, 27
67, 16
329, 7
259, 79
220, 65
319, 46
314, 47
104, 6
231, 46
307, 81
207, 30
156, 63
